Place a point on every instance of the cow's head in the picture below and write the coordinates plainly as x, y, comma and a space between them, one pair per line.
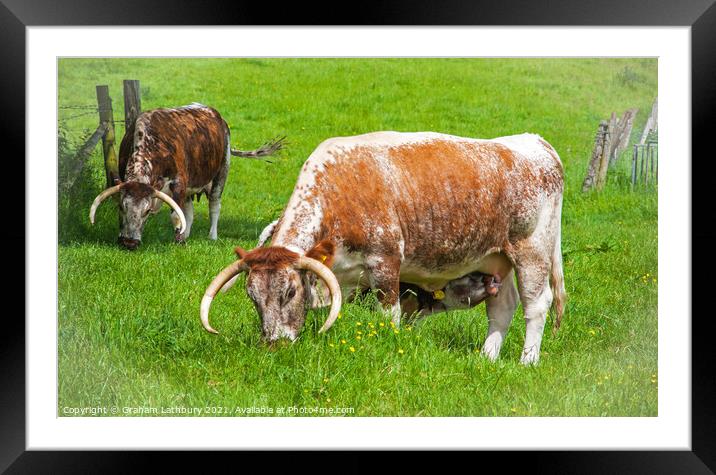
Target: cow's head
279, 283
136, 202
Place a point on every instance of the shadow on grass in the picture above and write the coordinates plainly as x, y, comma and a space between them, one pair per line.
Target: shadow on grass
458, 331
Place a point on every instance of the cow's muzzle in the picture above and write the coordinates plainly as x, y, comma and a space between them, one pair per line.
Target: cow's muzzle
128, 243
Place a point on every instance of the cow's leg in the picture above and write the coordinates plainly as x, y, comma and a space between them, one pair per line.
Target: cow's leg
188, 210
533, 265
214, 209
500, 310
217, 188
384, 278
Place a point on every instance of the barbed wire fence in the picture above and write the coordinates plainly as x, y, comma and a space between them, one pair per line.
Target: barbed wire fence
105, 130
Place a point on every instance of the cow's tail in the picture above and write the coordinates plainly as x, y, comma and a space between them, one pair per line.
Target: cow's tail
269, 148
556, 276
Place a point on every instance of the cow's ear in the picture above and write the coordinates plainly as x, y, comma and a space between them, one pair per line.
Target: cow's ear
323, 252
240, 252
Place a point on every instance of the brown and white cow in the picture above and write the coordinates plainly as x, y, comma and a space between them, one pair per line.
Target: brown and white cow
378, 209
172, 155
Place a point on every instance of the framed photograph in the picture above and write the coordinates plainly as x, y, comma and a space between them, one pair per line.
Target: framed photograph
465, 229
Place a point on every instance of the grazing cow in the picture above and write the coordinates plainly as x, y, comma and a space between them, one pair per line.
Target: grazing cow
422, 208
172, 155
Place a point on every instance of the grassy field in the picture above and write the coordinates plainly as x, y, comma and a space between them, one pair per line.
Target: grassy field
129, 330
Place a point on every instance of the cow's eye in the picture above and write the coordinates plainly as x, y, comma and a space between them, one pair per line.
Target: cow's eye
290, 293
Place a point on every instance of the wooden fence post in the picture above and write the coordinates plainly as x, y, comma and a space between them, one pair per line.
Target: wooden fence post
104, 104
634, 158
651, 123
621, 134
606, 150
600, 146
132, 102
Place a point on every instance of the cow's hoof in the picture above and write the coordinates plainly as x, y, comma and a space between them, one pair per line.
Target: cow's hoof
179, 239
530, 358
490, 353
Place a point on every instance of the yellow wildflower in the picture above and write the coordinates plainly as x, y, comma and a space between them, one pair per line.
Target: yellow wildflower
352, 349
400, 351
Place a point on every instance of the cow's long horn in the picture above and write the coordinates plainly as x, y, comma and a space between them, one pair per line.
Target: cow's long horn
165, 198
329, 278
229, 284
230, 271
100, 198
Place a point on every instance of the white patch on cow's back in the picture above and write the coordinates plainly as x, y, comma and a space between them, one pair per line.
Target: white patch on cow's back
528, 145
193, 105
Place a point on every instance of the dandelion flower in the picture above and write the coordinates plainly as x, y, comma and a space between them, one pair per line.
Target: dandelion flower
358, 337
358, 324
325, 380
400, 351
352, 349
343, 341
381, 324
396, 331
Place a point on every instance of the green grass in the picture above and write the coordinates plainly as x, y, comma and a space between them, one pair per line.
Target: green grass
129, 330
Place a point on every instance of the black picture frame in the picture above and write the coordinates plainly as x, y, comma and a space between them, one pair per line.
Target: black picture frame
700, 15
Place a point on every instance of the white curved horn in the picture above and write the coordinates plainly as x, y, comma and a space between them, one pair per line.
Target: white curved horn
100, 198
229, 284
167, 199
329, 278
233, 269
